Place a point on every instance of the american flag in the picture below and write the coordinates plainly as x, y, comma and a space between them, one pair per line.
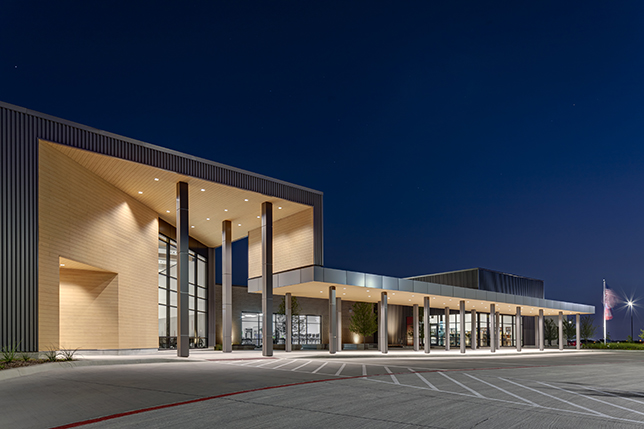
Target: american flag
609, 303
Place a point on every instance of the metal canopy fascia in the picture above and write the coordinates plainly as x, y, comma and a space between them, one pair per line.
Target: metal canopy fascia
313, 282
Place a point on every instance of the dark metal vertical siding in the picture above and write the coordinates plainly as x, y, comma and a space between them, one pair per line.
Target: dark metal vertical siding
18, 231
495, 281
464, 278
20, 130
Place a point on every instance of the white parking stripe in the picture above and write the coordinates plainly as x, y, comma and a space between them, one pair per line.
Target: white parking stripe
426, 381
411, 370
393, 377
613, 394
266, 363
554, 397
285, 363
462, 385
503, 390
364, 369
320, 367
502, 400
341, 368
594, 399
304, 364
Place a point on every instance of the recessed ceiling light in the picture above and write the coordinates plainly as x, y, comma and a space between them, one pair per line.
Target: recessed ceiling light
156, 179
369, 296
203, 190
167, 211
321, 292
239, 224
192, 226
62, 265
257, 217
140, 192
279, 208
245, 199
410, 299
367, 290
207, 218
225, 210
394, 293
344, 294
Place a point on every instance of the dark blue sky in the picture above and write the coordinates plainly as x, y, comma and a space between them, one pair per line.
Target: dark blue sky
451, 136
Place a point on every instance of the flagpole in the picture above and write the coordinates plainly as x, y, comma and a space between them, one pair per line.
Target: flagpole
604, 310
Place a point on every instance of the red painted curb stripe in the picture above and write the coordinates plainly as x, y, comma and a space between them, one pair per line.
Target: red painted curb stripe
192, 401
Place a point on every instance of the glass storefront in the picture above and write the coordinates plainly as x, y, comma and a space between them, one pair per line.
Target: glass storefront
197, 301
306, 329
481, 324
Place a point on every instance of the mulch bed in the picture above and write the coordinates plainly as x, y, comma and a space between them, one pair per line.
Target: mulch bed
21, 363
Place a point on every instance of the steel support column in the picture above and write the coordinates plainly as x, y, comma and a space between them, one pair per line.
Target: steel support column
416, 329
289, 322
333, 321
183, 338
212, 302
226, 287
267, 278
338, 315
383, 337
498, 332
474, 336
518, 329
541, 339
492, 324
447, 333
578, 342
561, 344
426, 328
462, 325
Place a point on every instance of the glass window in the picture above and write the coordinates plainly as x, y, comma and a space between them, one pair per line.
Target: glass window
202, 293
201, 272
201, 324
173, 322
201, 305
173, 284
163, 263
162, 296
173, 298
192, 265
173, 261
162, 321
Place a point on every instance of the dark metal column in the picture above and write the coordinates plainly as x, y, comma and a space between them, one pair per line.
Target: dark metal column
383, 324
426, 328
493, 328
447, 333
333, 321
578, 337
183, 338
461, 313
338, 315
267, 278
416, 329
518, 329
561, 345
226, 287
541, 338
212, 302
289, 322
474, 337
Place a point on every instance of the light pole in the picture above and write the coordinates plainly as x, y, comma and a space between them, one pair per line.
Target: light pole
630, 306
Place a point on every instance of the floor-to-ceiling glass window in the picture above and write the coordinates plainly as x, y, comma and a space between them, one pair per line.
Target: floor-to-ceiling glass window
197, 301
305, 329
507, 330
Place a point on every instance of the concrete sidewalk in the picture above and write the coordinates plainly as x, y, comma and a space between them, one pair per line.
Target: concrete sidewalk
89, 359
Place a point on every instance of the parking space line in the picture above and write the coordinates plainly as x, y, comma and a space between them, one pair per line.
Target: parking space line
304, 364
426, 381
613, 394
462, 385
411, 370
554, 397
591, 398
266, 363
320, 367
504, 391
341, 368
393, 377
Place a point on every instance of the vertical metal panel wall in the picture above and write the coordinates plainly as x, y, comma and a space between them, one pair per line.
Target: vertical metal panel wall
20, 130
463, 278
495, 281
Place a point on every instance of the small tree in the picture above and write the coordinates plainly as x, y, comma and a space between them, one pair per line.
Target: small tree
364, 320
587, 327
295, 319
550, 331
641, 334
570, 329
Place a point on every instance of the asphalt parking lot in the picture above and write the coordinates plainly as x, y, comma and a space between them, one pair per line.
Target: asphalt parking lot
553, 389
